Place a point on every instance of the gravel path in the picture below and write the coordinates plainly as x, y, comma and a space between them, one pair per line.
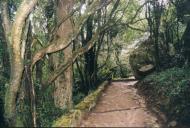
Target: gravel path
120, 106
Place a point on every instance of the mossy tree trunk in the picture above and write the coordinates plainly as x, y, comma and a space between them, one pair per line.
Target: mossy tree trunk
16, 51
63, 83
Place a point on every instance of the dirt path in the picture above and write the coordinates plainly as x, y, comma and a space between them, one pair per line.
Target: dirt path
120, 106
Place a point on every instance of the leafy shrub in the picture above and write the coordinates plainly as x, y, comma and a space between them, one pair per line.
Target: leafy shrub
3, 81
170, 89
46, 110
78, 97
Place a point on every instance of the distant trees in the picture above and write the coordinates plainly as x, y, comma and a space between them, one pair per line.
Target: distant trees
178, 14
154, 10
182, 10
166, 23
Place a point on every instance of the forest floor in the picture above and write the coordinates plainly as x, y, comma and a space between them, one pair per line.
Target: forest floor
121, 106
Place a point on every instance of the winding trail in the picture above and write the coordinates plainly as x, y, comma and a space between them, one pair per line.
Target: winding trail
121, 106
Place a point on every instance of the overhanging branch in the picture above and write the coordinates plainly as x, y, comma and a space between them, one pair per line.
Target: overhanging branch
76, 54
55, 46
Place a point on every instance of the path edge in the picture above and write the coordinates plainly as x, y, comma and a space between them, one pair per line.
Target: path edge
75, 116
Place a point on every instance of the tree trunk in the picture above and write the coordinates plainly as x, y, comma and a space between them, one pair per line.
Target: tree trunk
89, 56
16, 55
63, 84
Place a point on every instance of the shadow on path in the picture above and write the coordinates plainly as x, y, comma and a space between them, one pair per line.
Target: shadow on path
121, 106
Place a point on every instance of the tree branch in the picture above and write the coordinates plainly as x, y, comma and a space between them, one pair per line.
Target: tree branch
76, 54
55, 46
137, 12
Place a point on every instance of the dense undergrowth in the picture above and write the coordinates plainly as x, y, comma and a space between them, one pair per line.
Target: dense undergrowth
46, 110
169, 90
2, 82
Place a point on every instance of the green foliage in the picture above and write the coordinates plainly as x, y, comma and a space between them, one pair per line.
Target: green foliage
1, 51
171, 90
130, 35
78, 93
120, 72
78, 97
106, 70
46, 110
126, 33
3, 82
170, 26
